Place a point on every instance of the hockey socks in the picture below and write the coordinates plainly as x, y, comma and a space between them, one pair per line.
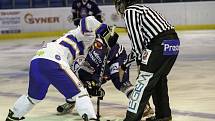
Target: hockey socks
84, 105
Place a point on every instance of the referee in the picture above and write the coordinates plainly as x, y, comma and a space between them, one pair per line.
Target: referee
155, 46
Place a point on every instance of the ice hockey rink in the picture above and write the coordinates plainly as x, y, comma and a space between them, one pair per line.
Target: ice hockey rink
191, 81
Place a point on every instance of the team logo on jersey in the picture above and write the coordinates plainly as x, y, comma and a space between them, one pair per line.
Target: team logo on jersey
95, 57
57, 57
77, 62
171, 47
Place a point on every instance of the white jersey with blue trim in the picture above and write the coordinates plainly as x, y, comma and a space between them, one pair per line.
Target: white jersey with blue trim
65, 49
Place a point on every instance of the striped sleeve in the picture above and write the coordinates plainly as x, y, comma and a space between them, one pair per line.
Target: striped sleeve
132, 21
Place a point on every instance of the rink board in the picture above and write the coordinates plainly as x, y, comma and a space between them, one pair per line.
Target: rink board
191, 81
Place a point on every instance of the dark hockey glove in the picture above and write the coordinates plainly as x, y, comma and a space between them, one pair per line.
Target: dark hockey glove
113, 39
105, 79
76, 21
131, 58
108, 35
94, 89
99, 18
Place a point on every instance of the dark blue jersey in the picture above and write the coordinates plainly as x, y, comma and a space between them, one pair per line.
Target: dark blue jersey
95, 58
81, 10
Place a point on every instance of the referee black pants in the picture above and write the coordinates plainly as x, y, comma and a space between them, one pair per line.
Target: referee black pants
152, 81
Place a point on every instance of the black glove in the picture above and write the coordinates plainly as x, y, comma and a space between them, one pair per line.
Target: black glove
105, 79
76, 21
130, 58
113, 39
99, 18
94, 89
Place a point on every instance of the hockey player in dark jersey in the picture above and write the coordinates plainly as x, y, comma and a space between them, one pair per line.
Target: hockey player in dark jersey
84, 8
95, 60
89, 72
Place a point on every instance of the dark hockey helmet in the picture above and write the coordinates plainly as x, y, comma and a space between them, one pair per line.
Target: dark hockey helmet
121, 5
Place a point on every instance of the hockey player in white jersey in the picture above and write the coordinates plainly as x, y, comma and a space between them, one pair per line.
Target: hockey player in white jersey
51, 65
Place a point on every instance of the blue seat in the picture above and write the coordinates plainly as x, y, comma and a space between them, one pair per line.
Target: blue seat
108, 2
22, 4
99, 2
39, 3
6, 4
70, 3
57, 3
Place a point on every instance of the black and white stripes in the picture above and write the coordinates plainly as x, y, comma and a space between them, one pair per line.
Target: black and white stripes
143, 25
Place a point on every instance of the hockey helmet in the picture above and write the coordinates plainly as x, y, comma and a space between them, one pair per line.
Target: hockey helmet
121, 5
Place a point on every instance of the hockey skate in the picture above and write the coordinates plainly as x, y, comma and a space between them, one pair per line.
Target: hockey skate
65, 108
148, 112
11, 118
85, 118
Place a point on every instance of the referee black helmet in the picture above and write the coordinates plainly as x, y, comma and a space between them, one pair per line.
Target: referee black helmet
121, 5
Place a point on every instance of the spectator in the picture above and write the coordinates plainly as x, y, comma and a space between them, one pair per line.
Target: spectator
84, 8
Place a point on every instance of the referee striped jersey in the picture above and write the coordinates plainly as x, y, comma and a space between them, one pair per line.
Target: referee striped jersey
143, 24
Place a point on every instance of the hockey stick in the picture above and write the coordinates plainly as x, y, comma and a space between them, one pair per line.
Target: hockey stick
106, 55
102, 73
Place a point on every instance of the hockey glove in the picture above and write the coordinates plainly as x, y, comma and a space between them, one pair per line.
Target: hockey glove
108, 36
113, 39
94, 89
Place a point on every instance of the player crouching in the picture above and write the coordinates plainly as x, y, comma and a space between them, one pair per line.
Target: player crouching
90, 72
